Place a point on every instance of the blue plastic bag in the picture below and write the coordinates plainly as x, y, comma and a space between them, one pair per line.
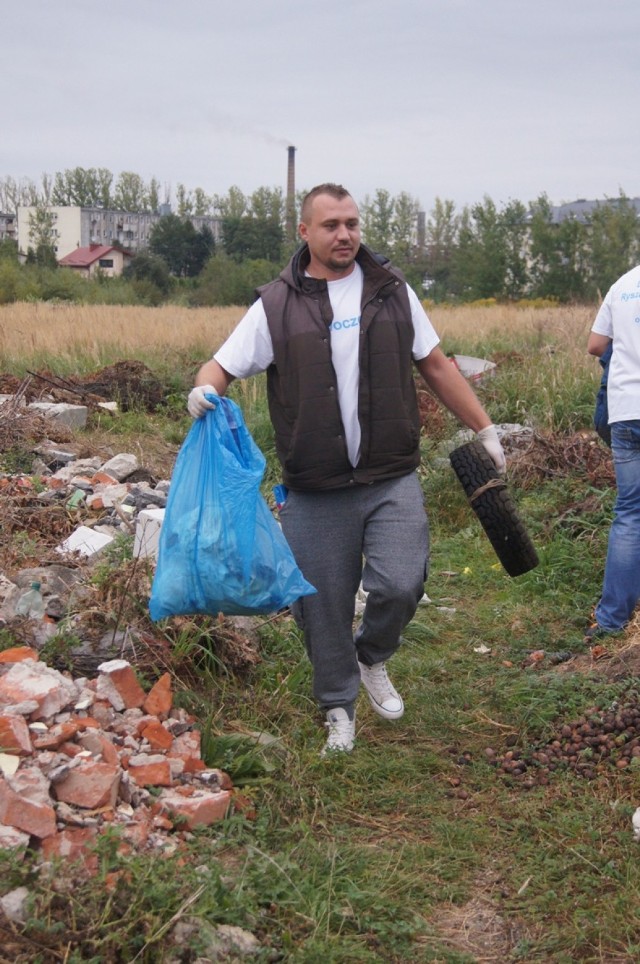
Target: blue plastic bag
220, 548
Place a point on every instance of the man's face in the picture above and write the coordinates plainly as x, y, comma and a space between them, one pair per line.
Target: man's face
332, 231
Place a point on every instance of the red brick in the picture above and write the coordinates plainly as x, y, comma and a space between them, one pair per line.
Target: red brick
56, 735
157, 735
160, 698
137, 832
224, 780
85, 723
200, 810
109, 751
36, 819
153, 774
91, 785
12, 839
244, 805
99, 745
103, 713
119, 684
14, 735
162, 823
70, 749
104, 478
71, 844
193, 765
142, 722
17, 653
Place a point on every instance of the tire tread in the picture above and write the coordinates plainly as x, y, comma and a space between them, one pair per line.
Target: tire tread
494, 508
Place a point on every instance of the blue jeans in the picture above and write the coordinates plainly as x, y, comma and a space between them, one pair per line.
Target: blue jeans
621, 585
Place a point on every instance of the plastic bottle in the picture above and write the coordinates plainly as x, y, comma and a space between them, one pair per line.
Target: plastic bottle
31, 603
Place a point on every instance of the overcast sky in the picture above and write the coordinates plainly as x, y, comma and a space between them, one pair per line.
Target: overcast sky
455, 99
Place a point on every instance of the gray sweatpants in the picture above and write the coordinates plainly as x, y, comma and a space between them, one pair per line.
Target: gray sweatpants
375, 533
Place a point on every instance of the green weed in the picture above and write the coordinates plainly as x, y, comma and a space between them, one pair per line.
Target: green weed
58, 651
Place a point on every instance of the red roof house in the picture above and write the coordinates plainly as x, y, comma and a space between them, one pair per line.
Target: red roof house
103, 258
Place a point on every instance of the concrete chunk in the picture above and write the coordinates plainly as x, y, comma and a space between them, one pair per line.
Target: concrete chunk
12, 839
86, 541
34, 683
121, 465
147, 537
73, 416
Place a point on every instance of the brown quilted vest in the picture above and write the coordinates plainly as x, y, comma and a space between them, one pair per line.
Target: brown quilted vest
302, 386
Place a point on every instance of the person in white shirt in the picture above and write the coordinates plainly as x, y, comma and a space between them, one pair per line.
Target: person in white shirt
339, 334
618, 323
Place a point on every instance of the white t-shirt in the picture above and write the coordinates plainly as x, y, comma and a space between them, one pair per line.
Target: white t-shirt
619, 319
248, 349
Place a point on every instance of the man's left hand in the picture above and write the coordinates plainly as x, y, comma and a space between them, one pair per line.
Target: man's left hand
489, 438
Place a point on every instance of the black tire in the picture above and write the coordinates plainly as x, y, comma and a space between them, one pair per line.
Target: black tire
491, 501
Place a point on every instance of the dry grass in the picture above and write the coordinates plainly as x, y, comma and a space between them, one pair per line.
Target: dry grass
77, 339
564, 326
103, 332
47, 327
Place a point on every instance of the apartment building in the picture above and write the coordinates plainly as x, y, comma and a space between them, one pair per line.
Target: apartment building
8, 227
79, 227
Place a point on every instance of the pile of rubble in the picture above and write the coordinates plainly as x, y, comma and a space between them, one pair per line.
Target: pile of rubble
57, 523
74, 508
70, 510
87, 748
79, 755
110, 493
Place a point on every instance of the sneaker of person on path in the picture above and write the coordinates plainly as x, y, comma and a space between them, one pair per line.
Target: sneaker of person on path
339, 333
618, 323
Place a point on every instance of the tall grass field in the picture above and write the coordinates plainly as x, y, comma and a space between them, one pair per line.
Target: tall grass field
469, 830
91, 334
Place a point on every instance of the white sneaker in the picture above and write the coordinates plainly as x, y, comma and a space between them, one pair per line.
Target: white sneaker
342, 731
382, 694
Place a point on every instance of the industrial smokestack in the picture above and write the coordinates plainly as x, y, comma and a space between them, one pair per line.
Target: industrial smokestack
291, 172
291, 194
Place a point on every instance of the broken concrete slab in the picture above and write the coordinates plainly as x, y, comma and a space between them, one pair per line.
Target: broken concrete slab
31, 681
73, 416
121, 465
78, 467
147, 537
86, 541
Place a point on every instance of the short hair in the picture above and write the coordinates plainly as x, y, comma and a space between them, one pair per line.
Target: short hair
336, 191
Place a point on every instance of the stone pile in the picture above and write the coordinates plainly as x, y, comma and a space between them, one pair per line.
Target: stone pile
105, 499
80, 755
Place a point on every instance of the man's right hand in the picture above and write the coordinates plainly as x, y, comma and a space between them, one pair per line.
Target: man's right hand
197, 404
491, 441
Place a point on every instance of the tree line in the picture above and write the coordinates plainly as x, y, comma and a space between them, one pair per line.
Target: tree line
483, 251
